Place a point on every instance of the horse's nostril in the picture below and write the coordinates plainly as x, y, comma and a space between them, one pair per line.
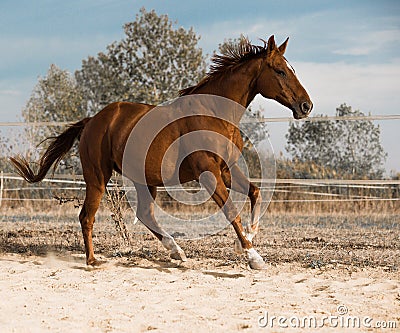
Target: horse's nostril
306, 107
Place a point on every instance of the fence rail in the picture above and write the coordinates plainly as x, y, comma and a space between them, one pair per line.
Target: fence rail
78, 179
76, 183
244, 121
321, 188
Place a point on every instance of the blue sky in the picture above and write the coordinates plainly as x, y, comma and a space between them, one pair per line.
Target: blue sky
343, 51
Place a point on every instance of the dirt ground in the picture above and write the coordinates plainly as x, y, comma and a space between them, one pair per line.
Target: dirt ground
323, 273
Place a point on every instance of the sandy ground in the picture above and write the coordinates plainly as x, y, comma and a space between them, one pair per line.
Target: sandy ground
320, 277
58, 294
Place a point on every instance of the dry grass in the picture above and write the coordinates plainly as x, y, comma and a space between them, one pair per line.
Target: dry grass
313, 240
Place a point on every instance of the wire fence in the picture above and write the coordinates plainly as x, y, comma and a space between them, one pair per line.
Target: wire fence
12, 189
307, 190
243, 121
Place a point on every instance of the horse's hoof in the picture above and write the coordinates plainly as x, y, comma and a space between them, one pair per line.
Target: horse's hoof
258, 265
255, 260
178, 255
94, 262
237, 247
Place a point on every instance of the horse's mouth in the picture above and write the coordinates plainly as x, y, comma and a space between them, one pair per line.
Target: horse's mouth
298, 116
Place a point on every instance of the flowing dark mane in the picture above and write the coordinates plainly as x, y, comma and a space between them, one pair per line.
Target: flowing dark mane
234, 54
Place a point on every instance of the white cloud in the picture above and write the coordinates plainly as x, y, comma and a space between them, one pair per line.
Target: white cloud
322, 35
30, 51
366, 44
369, 88
10, 92
13, 96
216, 33
372, 88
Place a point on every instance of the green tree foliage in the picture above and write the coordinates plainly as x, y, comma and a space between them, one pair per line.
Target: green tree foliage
351, 148
289, 169
150, 64
5, 150
254, 128
55, 98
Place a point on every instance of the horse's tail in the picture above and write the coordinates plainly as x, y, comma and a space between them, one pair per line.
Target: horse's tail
59, 146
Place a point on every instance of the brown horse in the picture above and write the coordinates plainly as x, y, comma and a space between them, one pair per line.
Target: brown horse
239, 74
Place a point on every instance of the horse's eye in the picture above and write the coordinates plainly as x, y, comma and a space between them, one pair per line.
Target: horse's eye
280, 72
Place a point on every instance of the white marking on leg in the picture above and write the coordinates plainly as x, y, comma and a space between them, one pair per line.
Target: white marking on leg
250, 236
254, 259
176, 252
237, 246
253, 255
251, 230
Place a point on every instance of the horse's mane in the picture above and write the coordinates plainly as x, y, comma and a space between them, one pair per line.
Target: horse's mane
232, 55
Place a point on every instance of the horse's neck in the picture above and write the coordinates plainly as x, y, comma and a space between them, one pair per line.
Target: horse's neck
238, 86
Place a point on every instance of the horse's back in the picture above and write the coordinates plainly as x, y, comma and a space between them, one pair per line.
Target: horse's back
104, 137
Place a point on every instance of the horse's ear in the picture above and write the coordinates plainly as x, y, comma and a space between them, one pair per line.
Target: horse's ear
282, 48
271, 46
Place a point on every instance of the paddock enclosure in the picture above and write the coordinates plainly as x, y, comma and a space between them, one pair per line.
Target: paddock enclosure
317, 220
329, 246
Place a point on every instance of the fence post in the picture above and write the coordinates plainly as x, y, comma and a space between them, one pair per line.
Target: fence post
1, 187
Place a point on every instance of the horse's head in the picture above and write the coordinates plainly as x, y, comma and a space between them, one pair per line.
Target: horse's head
278, 81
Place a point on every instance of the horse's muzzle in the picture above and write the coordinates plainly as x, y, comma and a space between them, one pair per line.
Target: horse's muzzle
303, 110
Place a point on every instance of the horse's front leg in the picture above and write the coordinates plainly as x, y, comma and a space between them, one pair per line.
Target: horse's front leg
237, 181
213, 182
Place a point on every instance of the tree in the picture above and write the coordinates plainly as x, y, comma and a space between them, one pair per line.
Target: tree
352, 148
150, 64
5, 151
55, 98
254, 128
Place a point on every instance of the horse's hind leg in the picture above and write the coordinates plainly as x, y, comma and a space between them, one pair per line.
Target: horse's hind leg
96, 179
145, 213
87, 217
